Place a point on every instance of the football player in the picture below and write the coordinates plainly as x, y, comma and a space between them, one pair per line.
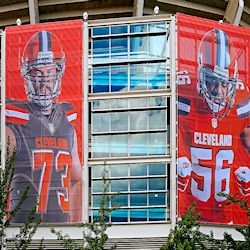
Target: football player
213, 127
42, 132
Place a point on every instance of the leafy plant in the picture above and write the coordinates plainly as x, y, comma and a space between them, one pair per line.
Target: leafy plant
28, 229
94, 233
187, 235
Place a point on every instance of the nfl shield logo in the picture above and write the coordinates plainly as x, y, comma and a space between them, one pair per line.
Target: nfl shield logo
214, 123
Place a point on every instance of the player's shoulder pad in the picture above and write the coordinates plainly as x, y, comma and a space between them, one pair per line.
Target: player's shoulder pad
183, 106
69, 111
243, 108
16, 111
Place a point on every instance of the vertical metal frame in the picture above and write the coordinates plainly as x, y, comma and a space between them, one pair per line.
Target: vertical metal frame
3, 83
85, 87
173, 118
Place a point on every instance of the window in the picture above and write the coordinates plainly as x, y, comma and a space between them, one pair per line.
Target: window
131, 127
129, 57
142, 191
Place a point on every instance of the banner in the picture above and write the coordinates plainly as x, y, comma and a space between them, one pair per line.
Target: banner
213, 118
44, 119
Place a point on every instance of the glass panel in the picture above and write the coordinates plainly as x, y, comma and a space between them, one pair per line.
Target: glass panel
138, 199
156, 46
119, 103
138, 120
119, 47
138, 144
101, 122
135, 46
119, 170
100, 146
119, 29
156, 214
157, 169
138, 76
119, 145
119, 121
157, 184
97, 186
95, 214
120, 200
101, 48
100, 79
138, 184
157, 75
135, 28
157, 143
138, 215
97, 201
159, 116
97, 171
157, 199
119, 185
100, 31
158, 101
138, 102
138, 170
157, 27
120, 215
100, 104
119, 78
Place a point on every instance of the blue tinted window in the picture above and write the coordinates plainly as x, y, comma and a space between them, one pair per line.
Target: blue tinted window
101, 48
119, 170
120, 215
120, 200
135, 28
138, 199
157, 184
119, 47
157, 199
119, 29
119, 78
156, 169
119, 185
138, 184
97, 186
138, 215
100, 79
156, 214
138, 170
100, 31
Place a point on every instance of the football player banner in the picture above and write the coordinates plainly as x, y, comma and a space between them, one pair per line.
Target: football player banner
213, 118
44, 119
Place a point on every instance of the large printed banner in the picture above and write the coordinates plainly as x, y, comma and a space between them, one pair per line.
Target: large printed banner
44, 119
213, 118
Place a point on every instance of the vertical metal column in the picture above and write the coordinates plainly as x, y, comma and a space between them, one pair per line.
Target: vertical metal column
3, 79
173, 116
85, 84
3, 137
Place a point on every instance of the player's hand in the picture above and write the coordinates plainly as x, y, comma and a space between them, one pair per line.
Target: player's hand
243, 180
184, 168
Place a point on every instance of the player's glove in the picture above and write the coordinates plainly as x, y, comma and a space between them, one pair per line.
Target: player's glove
184, 168
243, 180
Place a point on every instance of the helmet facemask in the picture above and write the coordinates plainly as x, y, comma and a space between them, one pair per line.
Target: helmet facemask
217, 78
218, 91
42, 72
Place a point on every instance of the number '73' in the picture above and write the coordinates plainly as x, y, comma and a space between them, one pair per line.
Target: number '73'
46, 160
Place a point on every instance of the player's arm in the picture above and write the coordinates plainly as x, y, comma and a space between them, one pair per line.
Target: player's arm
245, 138
76, 184
10, 137
243, 172
184, 166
